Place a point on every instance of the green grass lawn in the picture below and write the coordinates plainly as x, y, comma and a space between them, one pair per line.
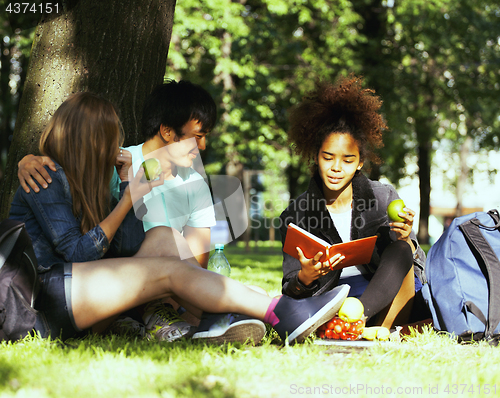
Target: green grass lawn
425, 365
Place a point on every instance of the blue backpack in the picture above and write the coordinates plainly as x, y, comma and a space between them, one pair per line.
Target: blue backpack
463, 278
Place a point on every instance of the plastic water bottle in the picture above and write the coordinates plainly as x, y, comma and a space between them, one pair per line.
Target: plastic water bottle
218, 262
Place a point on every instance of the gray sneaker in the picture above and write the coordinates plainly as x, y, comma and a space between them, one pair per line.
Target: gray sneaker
164, 323
126, 326
225, 328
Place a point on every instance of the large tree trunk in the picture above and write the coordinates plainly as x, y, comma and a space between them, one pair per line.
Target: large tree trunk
465, 150
424, 176
116, 48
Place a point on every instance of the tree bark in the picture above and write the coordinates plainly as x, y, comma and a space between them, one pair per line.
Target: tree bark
465, 150
115, 48
424, 176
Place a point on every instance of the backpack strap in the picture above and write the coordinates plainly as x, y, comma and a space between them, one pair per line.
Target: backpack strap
488, 260
496, 217
9, 234
474, 309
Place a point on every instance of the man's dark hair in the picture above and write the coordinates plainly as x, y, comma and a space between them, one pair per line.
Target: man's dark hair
173, 104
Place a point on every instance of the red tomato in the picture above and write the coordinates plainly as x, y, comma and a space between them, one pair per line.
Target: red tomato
346, 326
343, 336
338, 329
328, 333
331, 324
335, 336
321, 334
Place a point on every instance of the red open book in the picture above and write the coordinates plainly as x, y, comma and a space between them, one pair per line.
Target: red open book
356, 252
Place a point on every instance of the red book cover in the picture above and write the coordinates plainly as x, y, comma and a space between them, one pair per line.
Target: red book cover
356, 252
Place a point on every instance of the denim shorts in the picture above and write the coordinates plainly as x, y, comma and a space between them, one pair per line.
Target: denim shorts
53, 303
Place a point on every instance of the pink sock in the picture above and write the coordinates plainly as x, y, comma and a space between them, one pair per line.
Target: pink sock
271, 317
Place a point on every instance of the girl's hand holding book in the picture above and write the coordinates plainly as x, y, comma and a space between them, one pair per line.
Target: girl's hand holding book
312, 268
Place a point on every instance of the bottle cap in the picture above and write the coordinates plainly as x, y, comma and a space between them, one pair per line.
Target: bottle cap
219, 246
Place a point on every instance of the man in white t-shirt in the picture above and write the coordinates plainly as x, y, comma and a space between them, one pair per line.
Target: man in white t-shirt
183, 203
175, 112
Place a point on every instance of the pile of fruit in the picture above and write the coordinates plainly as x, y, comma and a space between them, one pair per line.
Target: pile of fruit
339, 329
349, 324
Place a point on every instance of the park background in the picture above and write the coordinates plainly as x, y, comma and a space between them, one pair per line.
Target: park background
435, 63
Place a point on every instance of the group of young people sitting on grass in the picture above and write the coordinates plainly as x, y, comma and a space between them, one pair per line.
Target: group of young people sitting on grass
119, 253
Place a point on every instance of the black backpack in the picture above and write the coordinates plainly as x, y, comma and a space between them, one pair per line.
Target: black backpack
19, 281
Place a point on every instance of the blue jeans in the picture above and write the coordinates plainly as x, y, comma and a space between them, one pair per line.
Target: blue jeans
53, 303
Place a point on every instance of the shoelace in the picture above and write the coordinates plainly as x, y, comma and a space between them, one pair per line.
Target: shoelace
167, 314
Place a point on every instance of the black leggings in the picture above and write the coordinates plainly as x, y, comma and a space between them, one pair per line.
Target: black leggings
395, 263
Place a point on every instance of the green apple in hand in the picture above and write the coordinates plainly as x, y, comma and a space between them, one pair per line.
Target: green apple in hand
395, 207
152, 168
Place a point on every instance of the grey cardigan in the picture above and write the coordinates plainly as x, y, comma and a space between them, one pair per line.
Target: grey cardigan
369, 217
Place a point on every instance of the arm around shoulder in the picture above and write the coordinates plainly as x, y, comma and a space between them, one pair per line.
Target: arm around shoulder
31, 170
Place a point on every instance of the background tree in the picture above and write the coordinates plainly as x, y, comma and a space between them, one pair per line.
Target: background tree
433, 62
116, 48
444, 68
16, 36
258, 58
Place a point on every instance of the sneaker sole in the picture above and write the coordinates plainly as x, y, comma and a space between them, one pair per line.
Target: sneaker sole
180, 333
240, 332
323, 315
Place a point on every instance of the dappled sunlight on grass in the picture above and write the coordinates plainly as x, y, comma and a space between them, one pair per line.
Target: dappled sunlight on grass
115, 366
108, 366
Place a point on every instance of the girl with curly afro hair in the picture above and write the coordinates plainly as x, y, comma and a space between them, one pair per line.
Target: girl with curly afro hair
336, 129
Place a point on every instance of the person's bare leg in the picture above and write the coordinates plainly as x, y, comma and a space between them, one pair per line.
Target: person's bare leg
104, 288
168, 242
398, 312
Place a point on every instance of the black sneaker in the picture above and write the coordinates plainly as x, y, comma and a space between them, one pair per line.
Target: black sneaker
299, 318
228, 327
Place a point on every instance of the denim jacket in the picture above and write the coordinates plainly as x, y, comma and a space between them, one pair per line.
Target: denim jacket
55, 231
369, 217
